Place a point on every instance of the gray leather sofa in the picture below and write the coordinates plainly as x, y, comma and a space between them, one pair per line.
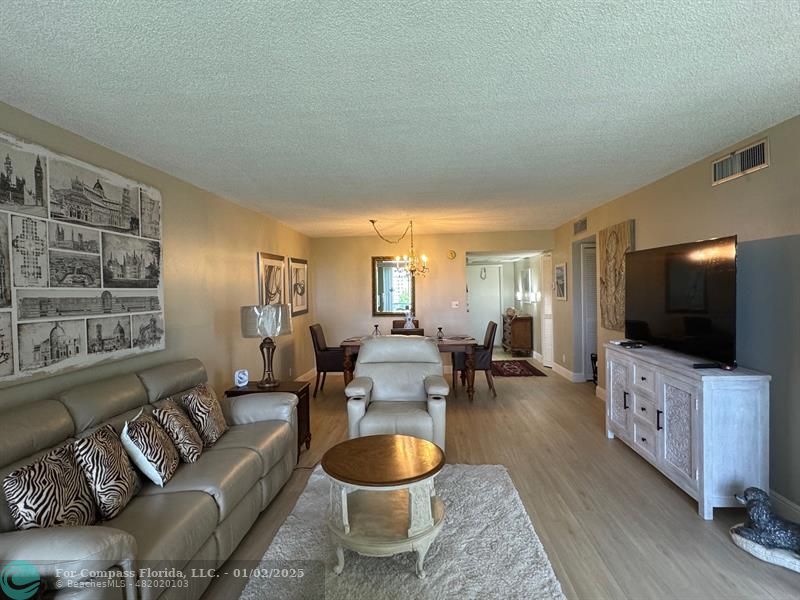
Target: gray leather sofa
196, 520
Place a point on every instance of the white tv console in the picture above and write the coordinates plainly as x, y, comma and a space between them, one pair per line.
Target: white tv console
707, 430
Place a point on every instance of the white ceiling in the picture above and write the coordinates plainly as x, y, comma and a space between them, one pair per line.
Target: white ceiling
470, 115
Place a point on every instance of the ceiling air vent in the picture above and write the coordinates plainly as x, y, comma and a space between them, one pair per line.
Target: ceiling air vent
741, 162
579, 226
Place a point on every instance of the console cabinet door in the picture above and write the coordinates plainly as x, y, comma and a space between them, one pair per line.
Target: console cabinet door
677, 451
619, 400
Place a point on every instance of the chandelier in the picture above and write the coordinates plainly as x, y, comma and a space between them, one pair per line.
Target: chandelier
416, 265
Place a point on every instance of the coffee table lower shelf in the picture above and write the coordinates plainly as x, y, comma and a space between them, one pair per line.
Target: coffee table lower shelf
379, 522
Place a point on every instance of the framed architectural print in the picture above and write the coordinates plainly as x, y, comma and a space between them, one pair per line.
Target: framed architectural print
81, 278
271, 279
298, 284
560, 281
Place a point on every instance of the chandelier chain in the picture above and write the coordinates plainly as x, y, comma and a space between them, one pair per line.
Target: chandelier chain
384, 238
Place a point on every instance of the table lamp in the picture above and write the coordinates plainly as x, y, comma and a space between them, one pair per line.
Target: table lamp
267, 321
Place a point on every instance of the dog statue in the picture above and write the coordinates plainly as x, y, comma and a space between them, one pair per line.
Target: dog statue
763, 526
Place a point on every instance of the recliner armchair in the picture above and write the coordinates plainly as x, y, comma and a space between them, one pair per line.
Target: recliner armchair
398, 388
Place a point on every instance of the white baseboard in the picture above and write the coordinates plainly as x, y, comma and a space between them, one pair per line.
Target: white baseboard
567, 374
307, 376
785, 507
537, 356
600, 393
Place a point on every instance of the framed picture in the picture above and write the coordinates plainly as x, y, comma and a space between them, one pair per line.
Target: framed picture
298, 285
560, 281
270, 279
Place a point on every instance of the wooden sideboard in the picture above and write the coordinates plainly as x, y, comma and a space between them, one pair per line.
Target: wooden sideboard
518, 334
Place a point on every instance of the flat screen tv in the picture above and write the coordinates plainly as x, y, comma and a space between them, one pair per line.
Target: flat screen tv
684, 298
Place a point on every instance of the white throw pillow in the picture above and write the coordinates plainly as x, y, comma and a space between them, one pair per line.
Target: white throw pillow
150, 449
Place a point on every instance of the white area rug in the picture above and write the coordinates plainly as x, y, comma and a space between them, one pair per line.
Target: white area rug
487, 548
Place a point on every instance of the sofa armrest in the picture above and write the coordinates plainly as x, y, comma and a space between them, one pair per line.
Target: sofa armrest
360, 387
437, 409
436, 385
58, 551
356, 409
252, 408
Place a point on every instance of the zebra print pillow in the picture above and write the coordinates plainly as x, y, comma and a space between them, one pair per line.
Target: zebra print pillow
150, 449
180, 430
204, 410
108, 469
50, 492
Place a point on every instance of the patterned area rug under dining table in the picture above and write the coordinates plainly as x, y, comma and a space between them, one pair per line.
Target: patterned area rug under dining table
515, 368
487, 548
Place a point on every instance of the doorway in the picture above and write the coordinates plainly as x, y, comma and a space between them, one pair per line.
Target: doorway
484, 298
585, 307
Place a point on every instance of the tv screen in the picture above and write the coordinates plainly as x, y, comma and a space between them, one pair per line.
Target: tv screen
684, 298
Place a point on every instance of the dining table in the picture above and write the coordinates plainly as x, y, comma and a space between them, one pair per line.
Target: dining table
449, 343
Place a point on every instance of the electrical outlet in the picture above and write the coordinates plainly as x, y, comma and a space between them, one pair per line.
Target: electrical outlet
563, 359
290, 371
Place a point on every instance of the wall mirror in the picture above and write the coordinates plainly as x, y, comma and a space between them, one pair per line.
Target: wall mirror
392, 287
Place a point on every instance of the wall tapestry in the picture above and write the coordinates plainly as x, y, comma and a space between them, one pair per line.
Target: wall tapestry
270, 279
298, 284
80, 264
612, 244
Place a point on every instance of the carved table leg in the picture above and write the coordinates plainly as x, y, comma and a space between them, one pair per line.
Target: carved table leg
340, 557
422, 550
348, 366
419, 507
470, 364
338, 506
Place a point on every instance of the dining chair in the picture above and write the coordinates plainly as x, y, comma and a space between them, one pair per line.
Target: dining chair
482, 358
328, 359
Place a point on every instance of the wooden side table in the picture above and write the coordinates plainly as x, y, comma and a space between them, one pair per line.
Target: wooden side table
299, 389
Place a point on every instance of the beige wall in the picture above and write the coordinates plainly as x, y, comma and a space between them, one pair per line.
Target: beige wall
684, 207
210, 247
763, 209
340, 269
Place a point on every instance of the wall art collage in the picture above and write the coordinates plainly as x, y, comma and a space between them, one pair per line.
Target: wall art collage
81, 273
271, 274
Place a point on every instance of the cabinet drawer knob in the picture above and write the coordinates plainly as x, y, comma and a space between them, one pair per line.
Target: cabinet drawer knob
643, 409
644, 439
644, 378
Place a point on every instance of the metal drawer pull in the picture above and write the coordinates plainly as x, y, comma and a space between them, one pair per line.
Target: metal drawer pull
658, 420
625, 400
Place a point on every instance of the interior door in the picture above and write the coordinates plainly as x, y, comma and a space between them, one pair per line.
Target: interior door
547, 311
588, 307
484, 298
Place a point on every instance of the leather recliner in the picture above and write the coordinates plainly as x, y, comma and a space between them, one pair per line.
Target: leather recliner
398, 388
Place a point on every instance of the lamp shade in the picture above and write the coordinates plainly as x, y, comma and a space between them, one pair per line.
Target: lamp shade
269, 320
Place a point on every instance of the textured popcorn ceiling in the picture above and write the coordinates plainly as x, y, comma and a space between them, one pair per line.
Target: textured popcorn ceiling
476, 115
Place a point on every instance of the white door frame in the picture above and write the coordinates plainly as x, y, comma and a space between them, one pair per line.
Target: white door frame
548, 338
585, 344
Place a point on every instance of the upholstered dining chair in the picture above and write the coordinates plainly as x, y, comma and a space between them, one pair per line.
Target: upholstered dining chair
482, 358
329, 360
398, 388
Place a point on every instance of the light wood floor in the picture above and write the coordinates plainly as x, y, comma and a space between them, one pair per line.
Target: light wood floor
612, 526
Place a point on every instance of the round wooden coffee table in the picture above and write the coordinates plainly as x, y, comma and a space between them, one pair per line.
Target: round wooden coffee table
382, 497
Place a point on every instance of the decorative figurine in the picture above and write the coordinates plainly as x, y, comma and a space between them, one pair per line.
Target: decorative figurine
241, 377
764, 534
